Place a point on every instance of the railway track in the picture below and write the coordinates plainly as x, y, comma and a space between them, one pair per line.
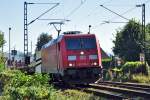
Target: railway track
134, 86
118, 91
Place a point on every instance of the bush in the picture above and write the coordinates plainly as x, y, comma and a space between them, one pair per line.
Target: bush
1, 67
106, 76
135, 68
7, 75
106, 63
140, 78
18, 85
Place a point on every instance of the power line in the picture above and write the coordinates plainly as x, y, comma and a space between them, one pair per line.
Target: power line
119, 5
42, 3
92, 11
124, 13
114, 12
109, 21
74, 10
113, 22
147, 1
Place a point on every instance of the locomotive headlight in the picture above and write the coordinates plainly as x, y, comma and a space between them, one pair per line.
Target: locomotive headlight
81, 53
95, 63
70, 64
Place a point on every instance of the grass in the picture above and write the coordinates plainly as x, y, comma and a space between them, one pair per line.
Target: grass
74, 95
140, 78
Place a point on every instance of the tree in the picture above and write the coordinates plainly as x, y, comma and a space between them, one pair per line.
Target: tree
42, 40
128, 41
2, 41
147, 44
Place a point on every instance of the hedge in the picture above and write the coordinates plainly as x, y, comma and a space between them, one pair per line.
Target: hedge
106, 63
135, 68
19, 86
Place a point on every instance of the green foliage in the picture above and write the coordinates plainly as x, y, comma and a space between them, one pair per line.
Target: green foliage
141, 78
1, 67
129, 72
73, 95
7, 75
2, 41
18, 85
147, 44
128, 41
135, 67
106, 63
42, 40
106, 76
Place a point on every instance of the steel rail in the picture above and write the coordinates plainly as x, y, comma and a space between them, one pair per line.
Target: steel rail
125, 91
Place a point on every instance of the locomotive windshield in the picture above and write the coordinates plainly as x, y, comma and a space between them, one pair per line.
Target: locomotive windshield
80, 43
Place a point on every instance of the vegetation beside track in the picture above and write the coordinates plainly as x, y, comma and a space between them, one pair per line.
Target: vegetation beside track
127, 72
141, 78
20, 86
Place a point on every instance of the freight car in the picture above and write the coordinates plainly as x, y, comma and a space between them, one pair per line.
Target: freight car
73, 58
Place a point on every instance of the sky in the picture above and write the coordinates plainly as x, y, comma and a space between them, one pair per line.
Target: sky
81, 14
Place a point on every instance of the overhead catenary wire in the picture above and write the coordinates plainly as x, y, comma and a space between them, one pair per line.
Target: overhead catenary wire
113, 22
109, 21
42, 3
114, 12
91, 12
123, 13
74, 10
147, 1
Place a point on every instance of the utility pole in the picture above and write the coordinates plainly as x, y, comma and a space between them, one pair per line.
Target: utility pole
143, 30
26, 24
31, 48
14, 53
25, 30
9, 42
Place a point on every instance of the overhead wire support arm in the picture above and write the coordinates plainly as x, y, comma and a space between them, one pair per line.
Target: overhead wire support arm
113, 22
56, 4
42, 3
114, 12
55, 19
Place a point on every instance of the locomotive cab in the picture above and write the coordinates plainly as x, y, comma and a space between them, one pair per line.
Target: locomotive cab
83, 63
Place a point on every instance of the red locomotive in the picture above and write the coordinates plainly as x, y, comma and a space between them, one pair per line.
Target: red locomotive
72, 57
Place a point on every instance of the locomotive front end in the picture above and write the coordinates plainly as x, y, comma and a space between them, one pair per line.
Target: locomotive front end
82, 59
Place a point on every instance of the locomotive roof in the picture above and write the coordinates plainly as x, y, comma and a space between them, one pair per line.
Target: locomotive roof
54, 41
